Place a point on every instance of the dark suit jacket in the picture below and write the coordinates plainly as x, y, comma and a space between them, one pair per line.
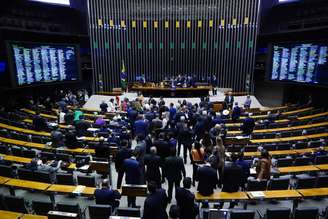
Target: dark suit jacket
207, 180
132, 171
186, 202
153, 163
122, 154
163, 148
107, 196
248, 126
174, 168
39, 123
236, 113
155, 205
227, 102
81, 127
232, 177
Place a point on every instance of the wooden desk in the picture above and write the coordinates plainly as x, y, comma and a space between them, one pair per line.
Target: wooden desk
41, 114
309, 193
67, 189
297, 169
134, 190
221, 196
26, 184
323, 167
297, 111
3, 180
33, 216
26, 131
313, 116
283, 129
9, 215
171, 92
295, 138
278, 194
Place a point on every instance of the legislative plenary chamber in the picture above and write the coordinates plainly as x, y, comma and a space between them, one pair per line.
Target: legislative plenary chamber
164, 109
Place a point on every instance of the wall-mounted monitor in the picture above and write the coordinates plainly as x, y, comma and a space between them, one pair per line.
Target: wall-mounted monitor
41, 63
299, 62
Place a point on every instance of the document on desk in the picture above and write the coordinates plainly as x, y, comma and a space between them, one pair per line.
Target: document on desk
257, 195
79, 189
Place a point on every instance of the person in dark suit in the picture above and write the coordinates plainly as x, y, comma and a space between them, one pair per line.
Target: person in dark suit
186, 201
141, 127
123, 153
103, 106
153, 163
70, 140
228, 100
187, 139
248, 125
107, 196
132, 170
155, 203
81, 126
173, 171
162, 146
207, 179
102, 149
39, 123
232, 178
236, 111
245, 166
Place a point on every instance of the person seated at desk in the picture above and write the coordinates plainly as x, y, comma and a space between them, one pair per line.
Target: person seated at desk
77, 114
46, 167
186, 201
82, 126
231, 178
57, 137
69, 118
100, 121
155, 203
248, 125
102, 149
71, 141
39, 123
107, 196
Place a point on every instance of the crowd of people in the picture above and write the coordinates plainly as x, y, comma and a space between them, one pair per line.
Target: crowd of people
155, 140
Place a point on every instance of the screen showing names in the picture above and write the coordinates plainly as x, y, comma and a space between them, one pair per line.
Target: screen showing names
41, 63
304, 63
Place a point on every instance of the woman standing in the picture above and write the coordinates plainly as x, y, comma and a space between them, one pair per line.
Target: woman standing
263, 168
197, 155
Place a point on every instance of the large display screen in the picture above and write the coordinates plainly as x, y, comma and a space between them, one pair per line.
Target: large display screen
299, 62
34, 63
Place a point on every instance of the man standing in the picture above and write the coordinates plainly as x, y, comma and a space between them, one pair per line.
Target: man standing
153, 162
132, 171
236, 111
232, 178
155, 203
123, 153
186, 200
173, 171
229, 100
141, 127
207, 179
